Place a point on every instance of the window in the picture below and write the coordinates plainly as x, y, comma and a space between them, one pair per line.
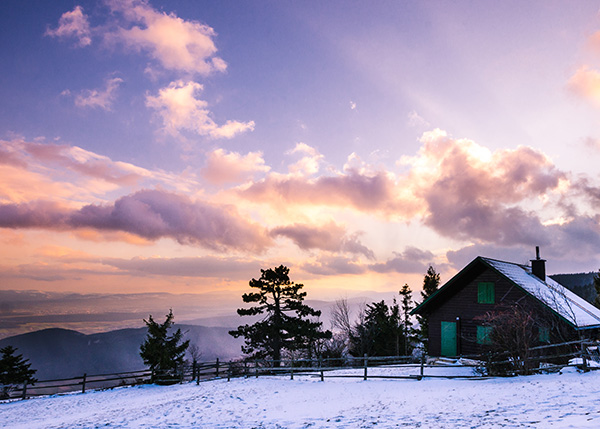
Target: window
485, 292
484, 334
544, 335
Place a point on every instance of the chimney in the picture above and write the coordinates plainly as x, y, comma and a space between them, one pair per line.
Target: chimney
538, 266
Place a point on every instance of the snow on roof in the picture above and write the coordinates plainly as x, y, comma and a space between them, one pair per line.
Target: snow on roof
567, 304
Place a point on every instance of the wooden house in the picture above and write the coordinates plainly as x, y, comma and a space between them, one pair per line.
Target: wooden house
455, 312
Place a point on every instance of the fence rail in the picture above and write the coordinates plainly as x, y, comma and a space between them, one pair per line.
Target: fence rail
365, 367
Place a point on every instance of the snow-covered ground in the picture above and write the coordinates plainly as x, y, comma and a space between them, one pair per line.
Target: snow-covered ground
570, 399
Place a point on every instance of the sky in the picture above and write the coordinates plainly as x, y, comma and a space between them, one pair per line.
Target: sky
182, 146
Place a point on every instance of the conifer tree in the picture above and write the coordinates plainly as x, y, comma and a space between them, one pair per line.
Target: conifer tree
406, 305
431, 283
14, 370
163, 352
379, 332
286, 324
597, 287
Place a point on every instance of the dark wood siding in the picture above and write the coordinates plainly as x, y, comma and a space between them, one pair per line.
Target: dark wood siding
461, 306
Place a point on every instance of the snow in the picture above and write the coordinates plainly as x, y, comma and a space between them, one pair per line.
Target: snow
566, 303
569, 399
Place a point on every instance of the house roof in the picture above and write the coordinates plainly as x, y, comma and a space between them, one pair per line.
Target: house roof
571, 307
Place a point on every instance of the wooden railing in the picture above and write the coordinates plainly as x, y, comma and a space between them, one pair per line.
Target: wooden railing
407, 367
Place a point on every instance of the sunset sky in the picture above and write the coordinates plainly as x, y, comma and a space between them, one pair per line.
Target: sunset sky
182, 146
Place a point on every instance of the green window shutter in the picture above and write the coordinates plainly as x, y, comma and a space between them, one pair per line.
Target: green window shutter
485, 293
484, 334
544, 335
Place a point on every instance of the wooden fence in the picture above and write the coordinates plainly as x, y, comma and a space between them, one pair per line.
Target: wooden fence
364, 367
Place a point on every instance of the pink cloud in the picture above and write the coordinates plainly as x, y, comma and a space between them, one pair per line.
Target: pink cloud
202, 267
150, 214
585, 83
100, 98
369, 193
81, 161
73, 24
231, 167
9, 156
180, 109
334, 265
176, 44
412, 260
330, 237
473, 194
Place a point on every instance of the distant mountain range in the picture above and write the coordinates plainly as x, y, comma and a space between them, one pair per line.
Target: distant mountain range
62, 353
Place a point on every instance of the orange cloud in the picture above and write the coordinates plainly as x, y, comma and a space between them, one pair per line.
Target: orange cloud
174, 43
103, 236
367, 193
231, 167
585, 83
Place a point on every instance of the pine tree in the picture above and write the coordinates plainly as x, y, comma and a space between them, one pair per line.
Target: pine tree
14, 370
406, 305
431, 283
379, 332
286, 324
597, 287
163, 352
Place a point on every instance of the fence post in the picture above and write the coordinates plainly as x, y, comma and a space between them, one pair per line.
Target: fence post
423, 360
245, 368
321, 368
217, 368
583, 358
83, 383
194, 370
256, 367
24, 396
366, 362
229, 371
292, 369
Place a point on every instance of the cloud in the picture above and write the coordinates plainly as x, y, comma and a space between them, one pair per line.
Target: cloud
417, 121
473, 194
592, 143
103, 98
334, 265
10, 156
172, 42
180, 110
231, 167
36, 214
176, 44
41, 170
330, 237
585, 83
368, 193
80, 161
203, 267
75, 25
412, 260
151, 214
309, 163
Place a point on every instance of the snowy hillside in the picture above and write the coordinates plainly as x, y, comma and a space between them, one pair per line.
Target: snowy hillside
558, 400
